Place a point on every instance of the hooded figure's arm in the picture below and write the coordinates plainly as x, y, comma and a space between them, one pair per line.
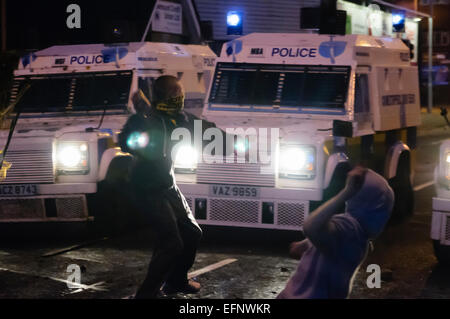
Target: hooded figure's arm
189, 120
298, 248
317, 227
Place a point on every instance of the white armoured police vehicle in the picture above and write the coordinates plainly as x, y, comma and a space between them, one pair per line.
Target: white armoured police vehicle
440, 222
332, 98
63, 147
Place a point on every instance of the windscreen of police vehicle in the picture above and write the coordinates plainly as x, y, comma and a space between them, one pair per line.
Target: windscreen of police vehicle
280, 85
90, 91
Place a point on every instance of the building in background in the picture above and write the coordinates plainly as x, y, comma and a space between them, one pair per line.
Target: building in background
284, 16
258, 16
440, 10
264, 16
378, 20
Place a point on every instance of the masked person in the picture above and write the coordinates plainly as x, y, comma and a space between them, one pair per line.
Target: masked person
147, 135
336, 244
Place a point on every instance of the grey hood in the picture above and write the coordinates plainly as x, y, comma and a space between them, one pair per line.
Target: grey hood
372, 205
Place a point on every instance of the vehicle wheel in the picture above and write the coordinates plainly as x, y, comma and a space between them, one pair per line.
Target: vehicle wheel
403, 191
442, 253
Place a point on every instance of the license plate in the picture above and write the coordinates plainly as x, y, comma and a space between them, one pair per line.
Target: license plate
234, 191
18, 190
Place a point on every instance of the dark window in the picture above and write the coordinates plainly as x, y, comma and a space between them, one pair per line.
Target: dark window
266, 84
325, 89
362, 102
284, 85
233, 87
92, 91
293, 85
99, 91
44, 94
316, 87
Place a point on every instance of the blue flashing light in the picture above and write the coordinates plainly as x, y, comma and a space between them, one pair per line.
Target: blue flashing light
397, 18
233, 19
234, 23
398, 22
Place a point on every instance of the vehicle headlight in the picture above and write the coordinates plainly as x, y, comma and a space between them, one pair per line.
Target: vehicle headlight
446, 166
186, 158
297, 162
72, 157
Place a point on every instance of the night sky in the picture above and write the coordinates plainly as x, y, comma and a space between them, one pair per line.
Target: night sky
40, 24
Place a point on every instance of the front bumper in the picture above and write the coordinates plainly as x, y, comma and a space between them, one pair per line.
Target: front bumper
440, 221
284, 209
67, 188
53, 202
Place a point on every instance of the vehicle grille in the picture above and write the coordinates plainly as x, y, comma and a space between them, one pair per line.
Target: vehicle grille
248, 213
447, 228
16, 209
37, 209
241, 211
235, 173
71, 207
31, 164
291, 214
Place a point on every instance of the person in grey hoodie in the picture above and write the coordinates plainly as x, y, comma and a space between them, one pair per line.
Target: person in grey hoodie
337, 244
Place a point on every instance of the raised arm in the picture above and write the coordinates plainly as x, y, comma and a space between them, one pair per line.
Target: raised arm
317, 227
153, 144
132, 125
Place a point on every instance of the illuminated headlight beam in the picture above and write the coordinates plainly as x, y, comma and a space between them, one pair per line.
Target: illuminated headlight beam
186, 158
72, 156
296, 161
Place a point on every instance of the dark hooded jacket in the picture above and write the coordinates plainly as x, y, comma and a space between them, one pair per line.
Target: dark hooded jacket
153, 166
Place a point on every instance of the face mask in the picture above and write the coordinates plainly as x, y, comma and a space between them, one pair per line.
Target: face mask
172, 105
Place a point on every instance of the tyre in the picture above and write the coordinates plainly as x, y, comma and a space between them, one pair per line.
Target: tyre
442, 253
403, 191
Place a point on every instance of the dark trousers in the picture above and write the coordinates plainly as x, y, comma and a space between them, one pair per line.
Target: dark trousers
177, 236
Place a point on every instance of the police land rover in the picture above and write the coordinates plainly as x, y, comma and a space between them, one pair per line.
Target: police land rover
71, 103
440, 222
328, 102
